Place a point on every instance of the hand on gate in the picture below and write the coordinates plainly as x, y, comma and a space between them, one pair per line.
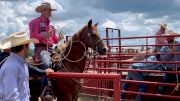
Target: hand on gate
49, 71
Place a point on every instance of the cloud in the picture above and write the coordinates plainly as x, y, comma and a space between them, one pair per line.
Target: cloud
132, 17
109, 24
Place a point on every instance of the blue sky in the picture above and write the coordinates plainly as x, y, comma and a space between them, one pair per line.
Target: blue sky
132, 17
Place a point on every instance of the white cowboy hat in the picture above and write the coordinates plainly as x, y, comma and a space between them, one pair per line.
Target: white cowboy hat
43, 6
163, 25
16, 39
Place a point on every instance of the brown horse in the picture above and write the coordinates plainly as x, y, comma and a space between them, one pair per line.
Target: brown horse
74, 60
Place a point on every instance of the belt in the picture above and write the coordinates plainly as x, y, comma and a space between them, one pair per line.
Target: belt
40, 45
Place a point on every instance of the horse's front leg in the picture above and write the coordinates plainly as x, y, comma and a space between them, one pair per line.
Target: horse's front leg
67, 97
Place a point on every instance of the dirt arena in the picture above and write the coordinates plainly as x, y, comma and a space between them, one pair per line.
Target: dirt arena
88, 98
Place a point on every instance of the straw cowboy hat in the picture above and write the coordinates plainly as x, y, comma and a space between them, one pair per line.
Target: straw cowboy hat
43, 6
163, 25
5, 43
16, 39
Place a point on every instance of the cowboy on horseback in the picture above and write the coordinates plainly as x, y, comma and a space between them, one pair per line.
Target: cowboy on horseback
41, 29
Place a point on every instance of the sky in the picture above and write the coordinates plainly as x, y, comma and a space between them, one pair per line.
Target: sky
132, 17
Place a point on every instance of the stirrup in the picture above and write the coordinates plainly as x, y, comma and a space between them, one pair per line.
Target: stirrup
48, 98
46, 95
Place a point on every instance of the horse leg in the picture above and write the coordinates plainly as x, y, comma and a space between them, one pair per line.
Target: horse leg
58, 98
67, 97
34, 98
34, 86
76, 98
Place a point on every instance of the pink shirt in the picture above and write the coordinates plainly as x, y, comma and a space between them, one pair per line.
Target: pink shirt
160, 40
40, 26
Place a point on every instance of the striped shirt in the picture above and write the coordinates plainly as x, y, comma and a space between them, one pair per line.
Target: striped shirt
14, 79
160, 40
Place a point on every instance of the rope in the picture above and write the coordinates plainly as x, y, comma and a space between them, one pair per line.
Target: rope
176, 88
65, 56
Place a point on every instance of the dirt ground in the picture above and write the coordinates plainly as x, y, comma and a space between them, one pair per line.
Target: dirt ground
87, 98
91, 98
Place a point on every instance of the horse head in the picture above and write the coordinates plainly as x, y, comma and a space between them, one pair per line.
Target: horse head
90, 36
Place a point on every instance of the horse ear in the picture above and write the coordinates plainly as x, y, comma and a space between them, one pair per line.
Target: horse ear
90, 23
96, 24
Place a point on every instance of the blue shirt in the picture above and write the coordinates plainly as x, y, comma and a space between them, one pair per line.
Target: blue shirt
14, 79
148, 66
170, 57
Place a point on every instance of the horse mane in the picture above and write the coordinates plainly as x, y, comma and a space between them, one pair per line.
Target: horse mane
64, 46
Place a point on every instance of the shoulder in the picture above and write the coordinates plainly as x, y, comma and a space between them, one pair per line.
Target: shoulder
36, 20
3, 55
177, 42
10, 66
152, 58
11, 62
178, 47
158, 32
165, 49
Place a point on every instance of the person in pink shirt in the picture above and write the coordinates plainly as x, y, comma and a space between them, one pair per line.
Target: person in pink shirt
41, 29
160, 40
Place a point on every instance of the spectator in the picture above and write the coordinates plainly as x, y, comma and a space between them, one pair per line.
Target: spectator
166, 56
161, 40
140, 76
151, 66
14, 82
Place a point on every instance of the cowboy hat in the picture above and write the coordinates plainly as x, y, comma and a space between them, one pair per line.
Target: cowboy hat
16, 39
5, 43
43, 6
163, 25
170, 33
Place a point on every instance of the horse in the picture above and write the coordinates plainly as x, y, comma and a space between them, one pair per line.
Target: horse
73, 58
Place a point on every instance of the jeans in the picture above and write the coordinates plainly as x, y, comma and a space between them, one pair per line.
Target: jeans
45, 59
142, 87
168, 78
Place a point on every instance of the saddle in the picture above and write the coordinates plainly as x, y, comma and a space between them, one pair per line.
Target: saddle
32, 61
